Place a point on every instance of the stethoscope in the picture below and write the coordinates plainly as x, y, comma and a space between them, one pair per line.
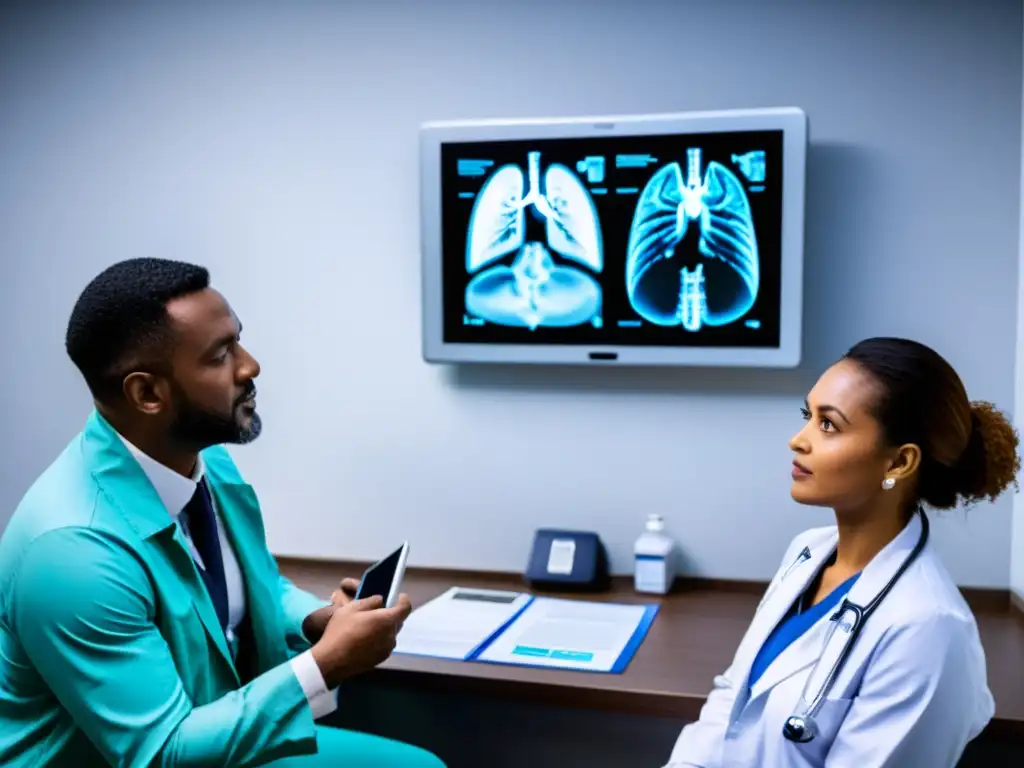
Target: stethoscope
801, 726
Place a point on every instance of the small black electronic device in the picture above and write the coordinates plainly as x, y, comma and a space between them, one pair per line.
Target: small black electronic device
384, 577
568, 561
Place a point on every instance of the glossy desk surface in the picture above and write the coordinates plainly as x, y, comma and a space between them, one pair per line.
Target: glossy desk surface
693, 638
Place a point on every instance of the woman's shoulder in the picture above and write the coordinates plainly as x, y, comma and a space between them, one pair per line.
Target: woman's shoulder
929, 591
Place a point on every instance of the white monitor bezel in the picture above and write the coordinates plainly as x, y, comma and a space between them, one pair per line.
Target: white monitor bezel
792, 121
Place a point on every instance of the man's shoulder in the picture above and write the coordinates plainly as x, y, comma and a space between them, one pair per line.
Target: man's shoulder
62, 513
66, 495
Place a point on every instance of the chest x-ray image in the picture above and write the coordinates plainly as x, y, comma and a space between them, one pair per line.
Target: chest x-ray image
693, 256
628, 240
550, 225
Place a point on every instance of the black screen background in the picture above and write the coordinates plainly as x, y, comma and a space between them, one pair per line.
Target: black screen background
377, 579
616, 217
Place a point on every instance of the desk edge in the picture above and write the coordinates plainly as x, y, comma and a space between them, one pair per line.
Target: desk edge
683, 707
980, 599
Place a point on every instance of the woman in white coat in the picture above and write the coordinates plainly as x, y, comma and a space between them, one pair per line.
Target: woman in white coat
889, 431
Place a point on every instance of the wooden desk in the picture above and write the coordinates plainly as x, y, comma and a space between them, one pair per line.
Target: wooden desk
693, 638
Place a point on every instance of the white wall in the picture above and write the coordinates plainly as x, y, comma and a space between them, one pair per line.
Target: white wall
1017, 536
276, 143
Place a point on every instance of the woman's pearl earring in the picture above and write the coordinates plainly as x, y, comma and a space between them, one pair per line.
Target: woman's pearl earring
888, 483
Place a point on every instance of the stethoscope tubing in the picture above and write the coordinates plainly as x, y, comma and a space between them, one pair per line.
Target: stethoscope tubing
800, 726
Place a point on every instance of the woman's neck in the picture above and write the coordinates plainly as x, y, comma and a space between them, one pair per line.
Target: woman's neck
862, 536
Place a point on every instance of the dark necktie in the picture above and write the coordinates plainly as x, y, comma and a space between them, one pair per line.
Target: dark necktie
202, 527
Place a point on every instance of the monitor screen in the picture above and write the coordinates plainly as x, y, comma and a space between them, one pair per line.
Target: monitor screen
671, 239
631, 240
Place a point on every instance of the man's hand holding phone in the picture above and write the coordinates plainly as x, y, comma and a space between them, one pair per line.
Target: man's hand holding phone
314, 624
360, 635
346, 592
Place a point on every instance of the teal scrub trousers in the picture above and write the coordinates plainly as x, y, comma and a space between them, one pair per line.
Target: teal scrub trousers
351, 749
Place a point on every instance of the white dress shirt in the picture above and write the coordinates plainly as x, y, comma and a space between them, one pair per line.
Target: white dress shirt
175, 491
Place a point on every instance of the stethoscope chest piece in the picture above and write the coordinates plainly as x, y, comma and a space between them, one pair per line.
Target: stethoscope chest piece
799, 729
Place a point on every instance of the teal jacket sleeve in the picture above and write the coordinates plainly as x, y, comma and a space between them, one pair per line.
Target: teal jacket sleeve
297, 604
83, 608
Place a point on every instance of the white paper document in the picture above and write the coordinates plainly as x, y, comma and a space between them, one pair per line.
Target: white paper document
458, 623
572, 634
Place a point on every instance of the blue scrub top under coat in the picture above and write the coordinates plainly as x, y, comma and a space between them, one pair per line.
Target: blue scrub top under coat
794, 626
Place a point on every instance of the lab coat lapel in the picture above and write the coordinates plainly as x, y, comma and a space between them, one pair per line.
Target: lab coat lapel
873, 579
807, 649
798, 655
884, 565
122, 480
238, 506
125, 484
176, 548
796, 578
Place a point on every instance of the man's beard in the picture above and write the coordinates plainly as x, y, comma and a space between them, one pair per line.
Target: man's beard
197, 426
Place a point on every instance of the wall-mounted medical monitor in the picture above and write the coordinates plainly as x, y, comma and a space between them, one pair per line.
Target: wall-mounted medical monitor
637, 240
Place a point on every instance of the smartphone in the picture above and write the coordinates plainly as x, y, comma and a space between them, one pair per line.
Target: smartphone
384, 577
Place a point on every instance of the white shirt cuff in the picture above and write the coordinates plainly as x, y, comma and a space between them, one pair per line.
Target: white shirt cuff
321, 701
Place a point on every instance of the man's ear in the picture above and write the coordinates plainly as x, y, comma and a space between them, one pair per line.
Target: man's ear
146, 393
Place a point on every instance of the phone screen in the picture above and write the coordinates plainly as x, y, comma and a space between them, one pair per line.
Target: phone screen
378, 577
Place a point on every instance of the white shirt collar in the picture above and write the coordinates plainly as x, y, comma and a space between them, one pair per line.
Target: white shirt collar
174, 490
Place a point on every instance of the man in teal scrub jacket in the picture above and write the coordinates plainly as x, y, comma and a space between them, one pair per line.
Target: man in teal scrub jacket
142, 619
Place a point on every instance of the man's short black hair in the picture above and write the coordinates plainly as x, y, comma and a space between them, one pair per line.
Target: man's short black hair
120, 321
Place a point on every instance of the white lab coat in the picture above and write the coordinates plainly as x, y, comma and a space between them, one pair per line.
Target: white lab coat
912, 692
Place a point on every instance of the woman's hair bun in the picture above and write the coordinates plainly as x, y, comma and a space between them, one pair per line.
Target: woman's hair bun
990, 463
968, 449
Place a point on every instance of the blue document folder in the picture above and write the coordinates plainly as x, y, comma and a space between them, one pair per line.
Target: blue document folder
517, 628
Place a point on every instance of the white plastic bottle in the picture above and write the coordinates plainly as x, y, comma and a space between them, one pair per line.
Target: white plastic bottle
654, 558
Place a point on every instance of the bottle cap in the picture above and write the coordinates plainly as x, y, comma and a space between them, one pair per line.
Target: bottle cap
655, 523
